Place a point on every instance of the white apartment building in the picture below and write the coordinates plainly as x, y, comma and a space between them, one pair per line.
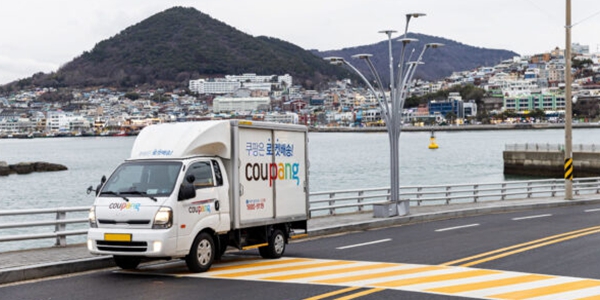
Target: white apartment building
288, 118
253, 78
203, 86
233, 82
228, 104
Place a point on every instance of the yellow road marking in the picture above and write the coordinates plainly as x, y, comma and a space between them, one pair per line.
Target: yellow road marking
329, 272
437, 278
549, 290
456, 262
259, 263
381, 274
467, 287
330, 294
284, 269
360, 294
528, 248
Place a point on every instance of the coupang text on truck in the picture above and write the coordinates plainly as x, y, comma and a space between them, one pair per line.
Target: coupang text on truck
190, 190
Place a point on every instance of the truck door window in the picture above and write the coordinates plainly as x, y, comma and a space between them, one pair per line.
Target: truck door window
218, 174
203, 174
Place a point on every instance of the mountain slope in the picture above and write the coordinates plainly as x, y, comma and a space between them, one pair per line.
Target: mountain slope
439, 63
179, 44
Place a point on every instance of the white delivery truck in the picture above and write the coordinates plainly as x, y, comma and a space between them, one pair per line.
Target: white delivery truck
191, 189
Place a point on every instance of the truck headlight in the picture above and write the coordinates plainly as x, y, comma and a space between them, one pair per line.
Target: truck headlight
92, 217
163, 218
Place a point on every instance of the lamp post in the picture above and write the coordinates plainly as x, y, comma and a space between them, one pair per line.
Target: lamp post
391, 108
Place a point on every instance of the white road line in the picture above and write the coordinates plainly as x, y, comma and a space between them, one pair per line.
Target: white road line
363, 244
532, 217
457, 227
592, 210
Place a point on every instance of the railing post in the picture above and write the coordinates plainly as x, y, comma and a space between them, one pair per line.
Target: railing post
553, 188
61, 240
331, 203
419, 189
529, 189
475, 192
448, 193
360, 200
598, 186
503, 191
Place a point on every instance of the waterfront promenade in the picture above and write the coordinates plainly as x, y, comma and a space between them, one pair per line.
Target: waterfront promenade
46, 262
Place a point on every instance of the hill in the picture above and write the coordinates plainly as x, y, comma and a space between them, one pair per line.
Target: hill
179, 44
439, 63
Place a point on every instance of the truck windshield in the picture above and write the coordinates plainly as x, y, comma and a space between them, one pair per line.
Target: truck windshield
142, 179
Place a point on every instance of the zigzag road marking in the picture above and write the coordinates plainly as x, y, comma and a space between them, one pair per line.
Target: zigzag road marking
444, 280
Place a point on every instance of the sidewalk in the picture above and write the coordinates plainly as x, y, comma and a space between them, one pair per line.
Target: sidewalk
45, 262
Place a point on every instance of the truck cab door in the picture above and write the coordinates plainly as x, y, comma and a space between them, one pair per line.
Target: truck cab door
202, 211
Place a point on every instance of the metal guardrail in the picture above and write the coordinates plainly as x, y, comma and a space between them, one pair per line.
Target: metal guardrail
60, 222
550, 147
350, 201
328, 203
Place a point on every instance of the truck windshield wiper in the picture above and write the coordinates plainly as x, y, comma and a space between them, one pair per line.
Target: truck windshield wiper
116, 194
141, 193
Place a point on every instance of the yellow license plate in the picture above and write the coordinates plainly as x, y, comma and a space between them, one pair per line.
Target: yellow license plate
117, 237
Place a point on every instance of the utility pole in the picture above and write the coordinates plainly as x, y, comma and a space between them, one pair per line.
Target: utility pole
568, 109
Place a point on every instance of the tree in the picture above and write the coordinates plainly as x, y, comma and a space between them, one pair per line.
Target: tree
450, 116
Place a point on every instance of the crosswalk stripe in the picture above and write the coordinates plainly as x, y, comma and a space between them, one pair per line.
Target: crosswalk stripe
436, 278
548, 290
243, 264
331, 272
283, 269
487, 284
381, 275
375, 276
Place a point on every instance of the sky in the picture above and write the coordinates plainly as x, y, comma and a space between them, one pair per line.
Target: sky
41, 35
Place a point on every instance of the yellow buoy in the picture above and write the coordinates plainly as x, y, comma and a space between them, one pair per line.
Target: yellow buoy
432, 143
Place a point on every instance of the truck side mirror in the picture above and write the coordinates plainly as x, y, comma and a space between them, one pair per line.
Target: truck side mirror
102, 181
186, 191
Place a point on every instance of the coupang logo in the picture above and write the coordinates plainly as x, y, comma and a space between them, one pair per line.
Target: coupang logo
271, 171
124, 206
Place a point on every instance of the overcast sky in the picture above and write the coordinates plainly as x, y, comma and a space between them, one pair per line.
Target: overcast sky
42, 35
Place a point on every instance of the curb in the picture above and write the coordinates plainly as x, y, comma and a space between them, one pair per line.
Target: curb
53, 269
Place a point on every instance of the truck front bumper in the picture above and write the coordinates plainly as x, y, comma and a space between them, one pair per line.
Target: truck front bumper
138, 242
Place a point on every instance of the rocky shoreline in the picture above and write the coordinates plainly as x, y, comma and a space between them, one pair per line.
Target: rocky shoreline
29, 167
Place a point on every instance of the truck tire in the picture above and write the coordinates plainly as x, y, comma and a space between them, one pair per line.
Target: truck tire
202, 254
276, 245
127, 262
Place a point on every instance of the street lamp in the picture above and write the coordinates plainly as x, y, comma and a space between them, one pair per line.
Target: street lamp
391, 109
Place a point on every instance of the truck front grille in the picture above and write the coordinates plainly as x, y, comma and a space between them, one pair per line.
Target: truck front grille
122, 246
128, 222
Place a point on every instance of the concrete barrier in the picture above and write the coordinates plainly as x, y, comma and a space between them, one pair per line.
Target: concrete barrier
550, 163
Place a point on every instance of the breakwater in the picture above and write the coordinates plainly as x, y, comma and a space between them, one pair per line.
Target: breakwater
547, 160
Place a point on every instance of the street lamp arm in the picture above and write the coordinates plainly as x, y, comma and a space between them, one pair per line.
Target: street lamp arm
405, 41
384, 104
364, 79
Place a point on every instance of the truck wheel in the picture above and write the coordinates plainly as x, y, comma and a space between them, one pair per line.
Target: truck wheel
276, 245
202, 254
127, 262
